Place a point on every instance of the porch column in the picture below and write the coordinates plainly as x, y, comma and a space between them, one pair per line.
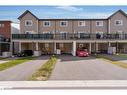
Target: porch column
109, 44
10, 48
37, 52
54, 47
74, 48
37, 46
89, 47
116, 47
96, 47
20, 47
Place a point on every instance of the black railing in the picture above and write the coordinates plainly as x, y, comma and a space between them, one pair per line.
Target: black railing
69, 36
2, 39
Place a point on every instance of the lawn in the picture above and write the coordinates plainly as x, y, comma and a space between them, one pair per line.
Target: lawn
122, 55
108, 59
12, 63
45, 71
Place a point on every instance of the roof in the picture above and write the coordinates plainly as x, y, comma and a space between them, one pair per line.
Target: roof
27, 11
117, 12
5, 21
72, 19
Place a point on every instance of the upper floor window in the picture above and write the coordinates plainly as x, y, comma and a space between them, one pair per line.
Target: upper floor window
99, 23
63, 23
118, 22
1, 25
46, 23
81, 23
28, 22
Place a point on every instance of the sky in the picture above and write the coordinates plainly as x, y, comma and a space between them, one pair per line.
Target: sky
13, 12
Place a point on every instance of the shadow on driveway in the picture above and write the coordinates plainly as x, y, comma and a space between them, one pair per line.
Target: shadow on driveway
72, 58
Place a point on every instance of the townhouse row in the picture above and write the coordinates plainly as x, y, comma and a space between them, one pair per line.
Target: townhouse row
47, 36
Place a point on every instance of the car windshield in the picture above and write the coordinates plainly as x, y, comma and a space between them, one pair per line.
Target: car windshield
82, 50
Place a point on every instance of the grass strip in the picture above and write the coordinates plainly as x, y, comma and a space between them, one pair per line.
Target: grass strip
121, 64
2, 58
45, 71
12, 63
122, 55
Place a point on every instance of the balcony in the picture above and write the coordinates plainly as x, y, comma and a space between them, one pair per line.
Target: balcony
3, 40
68, 36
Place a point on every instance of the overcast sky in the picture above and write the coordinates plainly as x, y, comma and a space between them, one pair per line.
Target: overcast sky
13, 12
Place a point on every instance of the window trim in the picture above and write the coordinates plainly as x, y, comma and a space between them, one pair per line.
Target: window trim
46, 25
64, 25
102, 23
27, 21
119, 24
83, 24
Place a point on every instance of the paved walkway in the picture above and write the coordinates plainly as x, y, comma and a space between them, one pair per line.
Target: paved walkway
89, 68
22, 71
3, 61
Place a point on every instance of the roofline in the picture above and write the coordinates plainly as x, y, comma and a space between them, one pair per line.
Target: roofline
117, 12
27, 11
5, 21
72, 18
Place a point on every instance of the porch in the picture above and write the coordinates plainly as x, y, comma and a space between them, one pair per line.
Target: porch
44, 48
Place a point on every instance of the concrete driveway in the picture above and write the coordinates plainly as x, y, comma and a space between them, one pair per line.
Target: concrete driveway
86, 68
22, 71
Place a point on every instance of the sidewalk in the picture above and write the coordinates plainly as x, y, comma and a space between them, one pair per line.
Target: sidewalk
87, 84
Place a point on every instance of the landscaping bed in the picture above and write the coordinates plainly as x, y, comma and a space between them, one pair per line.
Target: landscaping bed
45, 71
12, 63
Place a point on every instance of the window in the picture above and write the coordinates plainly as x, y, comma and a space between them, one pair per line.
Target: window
118, 22
46, 23
1, 25
99, 23
83, 34
28, 22
81, 23
63, 35
99, 34
63, 23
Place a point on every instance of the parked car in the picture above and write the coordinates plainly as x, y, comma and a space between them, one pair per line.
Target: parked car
25, 53
82, 53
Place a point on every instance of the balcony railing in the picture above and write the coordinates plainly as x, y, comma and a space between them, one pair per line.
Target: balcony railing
2, 39
69, 36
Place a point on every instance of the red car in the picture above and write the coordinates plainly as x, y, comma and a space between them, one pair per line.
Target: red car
82, 53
